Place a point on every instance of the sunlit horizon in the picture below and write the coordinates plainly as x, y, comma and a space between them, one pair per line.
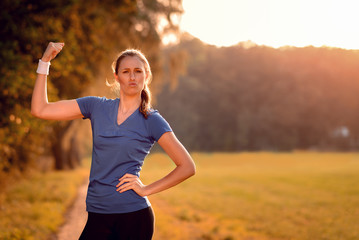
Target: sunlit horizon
275, 23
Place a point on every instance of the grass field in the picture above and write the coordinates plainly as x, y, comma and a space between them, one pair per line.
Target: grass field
291, 196
246, 196
33, 208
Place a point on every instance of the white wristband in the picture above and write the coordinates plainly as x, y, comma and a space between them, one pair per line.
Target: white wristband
43, 67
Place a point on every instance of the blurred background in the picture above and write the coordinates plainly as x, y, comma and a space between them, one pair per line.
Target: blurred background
229, 76
239, 97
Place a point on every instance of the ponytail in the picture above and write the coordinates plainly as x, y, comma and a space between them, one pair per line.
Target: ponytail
145, 101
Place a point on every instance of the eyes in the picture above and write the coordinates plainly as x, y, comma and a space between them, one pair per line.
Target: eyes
136, 71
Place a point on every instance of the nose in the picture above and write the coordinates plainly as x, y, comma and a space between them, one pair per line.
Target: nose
132, 76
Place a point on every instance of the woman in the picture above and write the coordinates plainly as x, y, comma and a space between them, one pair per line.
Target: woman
124, 130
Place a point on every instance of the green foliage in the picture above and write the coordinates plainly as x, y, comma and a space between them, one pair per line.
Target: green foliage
93, 31
261, 98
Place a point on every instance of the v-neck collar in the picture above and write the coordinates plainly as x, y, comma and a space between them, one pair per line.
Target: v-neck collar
116, 115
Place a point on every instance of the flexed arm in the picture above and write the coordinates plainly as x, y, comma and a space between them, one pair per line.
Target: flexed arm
40, 107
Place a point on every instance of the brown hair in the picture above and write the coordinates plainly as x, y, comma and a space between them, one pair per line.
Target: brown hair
145, 93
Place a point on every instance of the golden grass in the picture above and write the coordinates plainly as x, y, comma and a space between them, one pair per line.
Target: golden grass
245, 196
298, 196
34, 207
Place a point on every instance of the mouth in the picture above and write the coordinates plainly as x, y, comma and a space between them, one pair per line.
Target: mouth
132, 84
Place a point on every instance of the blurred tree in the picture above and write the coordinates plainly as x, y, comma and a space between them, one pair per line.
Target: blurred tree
94, 31
261, 98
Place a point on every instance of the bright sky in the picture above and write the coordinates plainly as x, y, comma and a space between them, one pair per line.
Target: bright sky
274, 23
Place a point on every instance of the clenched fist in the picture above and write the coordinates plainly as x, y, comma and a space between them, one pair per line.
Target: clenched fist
51, 51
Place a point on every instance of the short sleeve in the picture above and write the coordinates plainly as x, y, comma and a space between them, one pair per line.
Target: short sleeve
87, 105
157, 125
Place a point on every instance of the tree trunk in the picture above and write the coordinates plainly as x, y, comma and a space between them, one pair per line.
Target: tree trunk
58, 144
73, 157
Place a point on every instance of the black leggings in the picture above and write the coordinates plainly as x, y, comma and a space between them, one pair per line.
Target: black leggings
136, 225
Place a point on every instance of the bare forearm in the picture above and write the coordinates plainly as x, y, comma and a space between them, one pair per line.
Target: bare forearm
40, 107
185, 165
39, 95
178, 175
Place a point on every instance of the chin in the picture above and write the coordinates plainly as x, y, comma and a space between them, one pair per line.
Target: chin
133, 93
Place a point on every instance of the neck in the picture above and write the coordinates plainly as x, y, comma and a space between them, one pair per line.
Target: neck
129, 103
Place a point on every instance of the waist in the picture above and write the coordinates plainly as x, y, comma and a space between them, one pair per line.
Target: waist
102, 198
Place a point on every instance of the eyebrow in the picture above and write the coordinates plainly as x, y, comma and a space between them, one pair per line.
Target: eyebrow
130, 68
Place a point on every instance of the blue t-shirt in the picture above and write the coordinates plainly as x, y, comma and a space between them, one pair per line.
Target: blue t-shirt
117, 150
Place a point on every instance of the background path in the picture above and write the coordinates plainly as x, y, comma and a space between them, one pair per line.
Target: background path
76, 217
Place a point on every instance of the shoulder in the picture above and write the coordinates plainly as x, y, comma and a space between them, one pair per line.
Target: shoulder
90, 103
152, 111
94, 99
154, 115
155, 118
156, 124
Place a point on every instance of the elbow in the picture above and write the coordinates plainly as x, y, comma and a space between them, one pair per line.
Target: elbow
187, 170
35, 112
191, 170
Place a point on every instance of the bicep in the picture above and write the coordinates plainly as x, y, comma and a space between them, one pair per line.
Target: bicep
174, 148
61, 110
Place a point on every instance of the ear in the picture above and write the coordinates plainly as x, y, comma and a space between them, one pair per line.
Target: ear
116, 76
147, 76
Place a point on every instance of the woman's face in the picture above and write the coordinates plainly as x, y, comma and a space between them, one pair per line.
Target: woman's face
132, 75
